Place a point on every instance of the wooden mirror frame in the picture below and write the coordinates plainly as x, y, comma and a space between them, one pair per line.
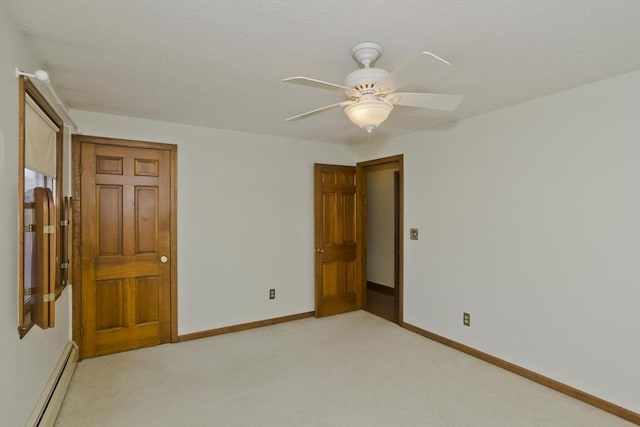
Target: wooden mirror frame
26, 87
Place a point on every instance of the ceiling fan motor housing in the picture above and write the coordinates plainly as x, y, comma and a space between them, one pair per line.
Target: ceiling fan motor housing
365, 76
364, 79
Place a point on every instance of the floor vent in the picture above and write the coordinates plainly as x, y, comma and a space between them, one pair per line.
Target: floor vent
46, 411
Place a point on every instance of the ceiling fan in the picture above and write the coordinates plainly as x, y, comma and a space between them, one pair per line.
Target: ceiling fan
372, 92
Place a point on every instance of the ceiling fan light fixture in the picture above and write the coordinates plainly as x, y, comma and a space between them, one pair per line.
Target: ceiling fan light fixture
368, 114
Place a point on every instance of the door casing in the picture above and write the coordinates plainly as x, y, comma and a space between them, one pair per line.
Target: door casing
76, 142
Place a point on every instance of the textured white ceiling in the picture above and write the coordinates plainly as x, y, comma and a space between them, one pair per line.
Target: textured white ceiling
219, 63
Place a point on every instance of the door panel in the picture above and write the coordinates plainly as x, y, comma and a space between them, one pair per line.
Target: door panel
125, 214
146, 202
108, 304
337, 282
147, 299
109, 211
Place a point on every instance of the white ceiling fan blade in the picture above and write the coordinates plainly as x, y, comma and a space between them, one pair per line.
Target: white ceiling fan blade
319, 110
308, 81
434, 101
415, 70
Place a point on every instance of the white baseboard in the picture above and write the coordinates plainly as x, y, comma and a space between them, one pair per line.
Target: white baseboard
46, 410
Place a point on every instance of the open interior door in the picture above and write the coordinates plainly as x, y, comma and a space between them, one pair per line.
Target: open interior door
337, 276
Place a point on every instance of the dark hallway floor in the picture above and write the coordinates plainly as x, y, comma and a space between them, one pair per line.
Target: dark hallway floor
381, 304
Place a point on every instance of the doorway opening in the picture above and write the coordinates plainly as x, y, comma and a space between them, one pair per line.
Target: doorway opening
381, 184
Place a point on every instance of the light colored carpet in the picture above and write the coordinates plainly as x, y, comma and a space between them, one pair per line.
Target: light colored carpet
354, 369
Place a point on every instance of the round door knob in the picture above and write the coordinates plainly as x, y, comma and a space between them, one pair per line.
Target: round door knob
164, 259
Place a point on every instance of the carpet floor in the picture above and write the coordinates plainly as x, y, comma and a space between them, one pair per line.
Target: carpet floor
354, 369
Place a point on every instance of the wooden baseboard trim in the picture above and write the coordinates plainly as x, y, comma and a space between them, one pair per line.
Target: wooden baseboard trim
599, 403
243, 326
380, 288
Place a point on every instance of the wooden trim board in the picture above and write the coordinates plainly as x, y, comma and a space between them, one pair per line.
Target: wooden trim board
599, 403
377, 287
244, 326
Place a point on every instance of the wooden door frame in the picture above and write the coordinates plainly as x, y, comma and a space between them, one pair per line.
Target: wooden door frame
361, 242
76, 171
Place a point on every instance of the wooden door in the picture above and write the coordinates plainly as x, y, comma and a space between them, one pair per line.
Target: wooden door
337, 281
125, 247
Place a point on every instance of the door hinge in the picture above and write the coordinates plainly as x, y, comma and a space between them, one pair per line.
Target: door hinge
29, 228
49, 229
64, 223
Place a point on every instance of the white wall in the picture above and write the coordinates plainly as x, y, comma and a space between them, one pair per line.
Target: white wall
245, 218
25, 365
381, 226
530, 221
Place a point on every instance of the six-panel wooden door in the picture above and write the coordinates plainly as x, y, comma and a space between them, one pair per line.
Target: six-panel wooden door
337, 282
126, 244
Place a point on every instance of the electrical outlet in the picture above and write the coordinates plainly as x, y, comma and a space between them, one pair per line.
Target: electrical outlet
466, 319
413, 233
272, 294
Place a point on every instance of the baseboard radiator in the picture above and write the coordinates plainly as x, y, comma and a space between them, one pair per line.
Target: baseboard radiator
46, 411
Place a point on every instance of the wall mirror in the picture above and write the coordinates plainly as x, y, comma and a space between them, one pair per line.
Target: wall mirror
43, 248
